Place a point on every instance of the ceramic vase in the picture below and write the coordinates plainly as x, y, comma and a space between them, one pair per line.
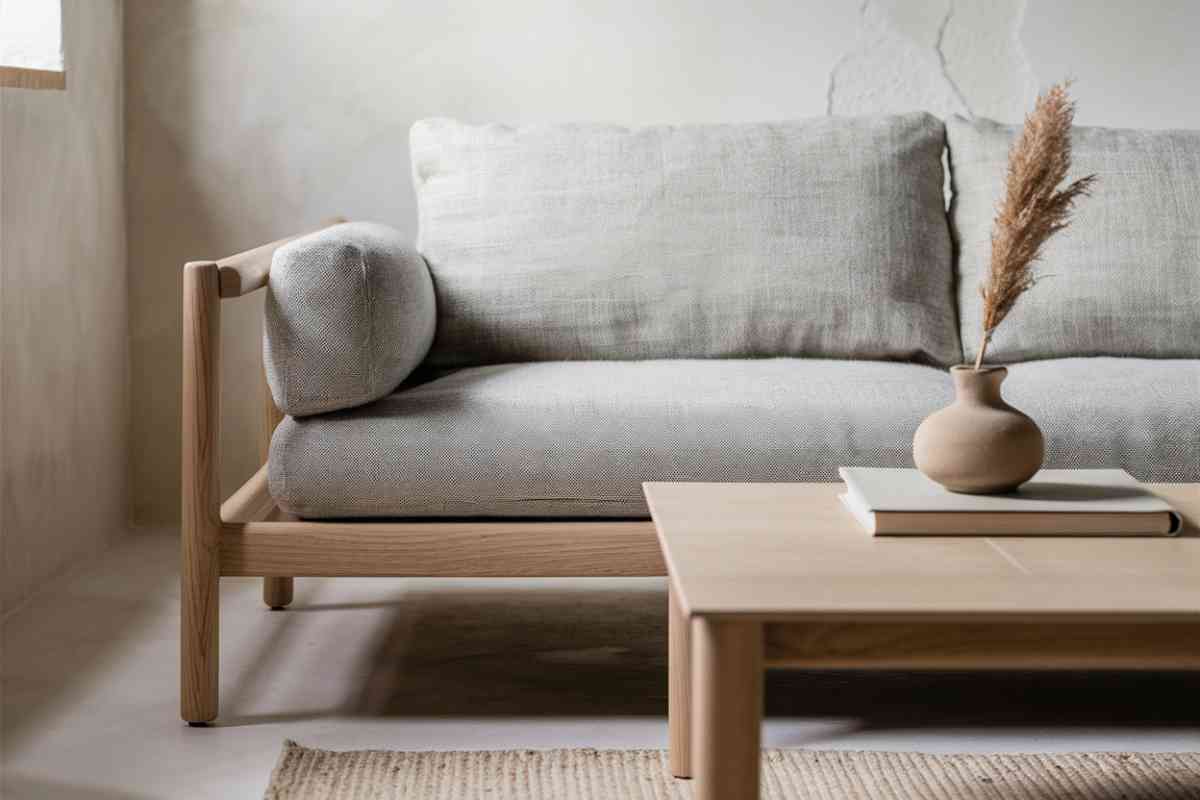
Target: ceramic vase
979, 444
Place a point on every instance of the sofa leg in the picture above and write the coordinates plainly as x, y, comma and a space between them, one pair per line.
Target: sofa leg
277, 592
198, 645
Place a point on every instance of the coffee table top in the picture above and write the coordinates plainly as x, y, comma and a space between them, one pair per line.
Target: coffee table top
790, 551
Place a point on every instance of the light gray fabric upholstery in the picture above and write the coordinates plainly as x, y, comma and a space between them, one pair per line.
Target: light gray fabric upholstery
1123, 280
824, 238
350, 312
576, 439
1139, 414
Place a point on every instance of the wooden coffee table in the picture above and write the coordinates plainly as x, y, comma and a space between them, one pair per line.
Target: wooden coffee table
780, 575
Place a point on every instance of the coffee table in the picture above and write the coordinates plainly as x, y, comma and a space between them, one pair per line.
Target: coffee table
766, 575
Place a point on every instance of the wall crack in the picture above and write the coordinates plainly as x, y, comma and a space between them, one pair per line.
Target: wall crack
941, 55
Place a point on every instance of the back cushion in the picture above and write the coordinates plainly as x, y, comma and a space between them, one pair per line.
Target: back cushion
1122, 280
822, 238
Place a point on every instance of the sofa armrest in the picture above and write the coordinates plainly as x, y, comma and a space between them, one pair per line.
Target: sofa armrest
350, 312
247, 272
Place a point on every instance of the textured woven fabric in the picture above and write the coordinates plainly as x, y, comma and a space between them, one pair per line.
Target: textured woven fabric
576, 439
1139, 414
1123, 280
308, 774
822, 238
349, 314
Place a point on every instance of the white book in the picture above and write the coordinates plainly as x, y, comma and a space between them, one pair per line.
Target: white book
1056, 502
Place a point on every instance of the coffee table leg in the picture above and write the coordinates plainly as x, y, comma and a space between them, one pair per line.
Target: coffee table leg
679, 686
727, 677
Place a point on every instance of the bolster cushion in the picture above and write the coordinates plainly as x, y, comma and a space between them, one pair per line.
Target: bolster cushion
349, 314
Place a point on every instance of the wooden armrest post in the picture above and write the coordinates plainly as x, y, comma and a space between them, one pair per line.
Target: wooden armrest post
201, 523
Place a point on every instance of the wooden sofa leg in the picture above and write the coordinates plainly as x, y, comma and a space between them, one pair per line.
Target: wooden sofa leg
200, 573
199, 633
277, 592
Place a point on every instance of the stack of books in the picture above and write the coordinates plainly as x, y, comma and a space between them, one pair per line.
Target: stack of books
1057, 502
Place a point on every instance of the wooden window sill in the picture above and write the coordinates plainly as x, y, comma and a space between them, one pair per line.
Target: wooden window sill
23, 78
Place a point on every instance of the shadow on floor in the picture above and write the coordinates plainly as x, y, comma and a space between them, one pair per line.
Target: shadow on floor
17, 786
579, 651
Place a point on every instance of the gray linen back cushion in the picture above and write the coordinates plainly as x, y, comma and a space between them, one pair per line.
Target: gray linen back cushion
823, 238
1123, 280
349, 314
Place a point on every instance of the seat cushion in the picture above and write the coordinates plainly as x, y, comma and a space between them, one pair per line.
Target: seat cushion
576, 439
1140, 414
822, 238
1122, 280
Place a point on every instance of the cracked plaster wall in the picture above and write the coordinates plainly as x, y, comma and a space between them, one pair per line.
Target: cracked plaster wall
247, 120
945, 56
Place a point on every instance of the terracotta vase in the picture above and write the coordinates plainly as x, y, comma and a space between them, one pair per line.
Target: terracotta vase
979, 444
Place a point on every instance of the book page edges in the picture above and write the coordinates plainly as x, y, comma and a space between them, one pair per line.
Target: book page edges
901, 523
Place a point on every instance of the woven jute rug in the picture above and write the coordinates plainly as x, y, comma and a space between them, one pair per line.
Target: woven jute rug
307, 774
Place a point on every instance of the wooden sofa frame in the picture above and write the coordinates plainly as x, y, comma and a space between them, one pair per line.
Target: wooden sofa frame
248, 536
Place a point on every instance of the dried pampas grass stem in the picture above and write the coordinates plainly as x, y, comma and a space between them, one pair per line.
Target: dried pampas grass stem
1033, 208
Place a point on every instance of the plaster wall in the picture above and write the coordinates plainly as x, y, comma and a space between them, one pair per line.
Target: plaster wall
64, 412
247, 121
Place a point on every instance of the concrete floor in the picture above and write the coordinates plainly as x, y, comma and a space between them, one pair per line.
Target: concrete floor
90, 683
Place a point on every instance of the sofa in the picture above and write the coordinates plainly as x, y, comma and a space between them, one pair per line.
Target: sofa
587, 307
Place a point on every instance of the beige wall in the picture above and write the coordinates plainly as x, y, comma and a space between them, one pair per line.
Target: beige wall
251, 120
64, 409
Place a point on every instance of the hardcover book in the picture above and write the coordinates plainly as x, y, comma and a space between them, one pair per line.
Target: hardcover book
1056, 502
